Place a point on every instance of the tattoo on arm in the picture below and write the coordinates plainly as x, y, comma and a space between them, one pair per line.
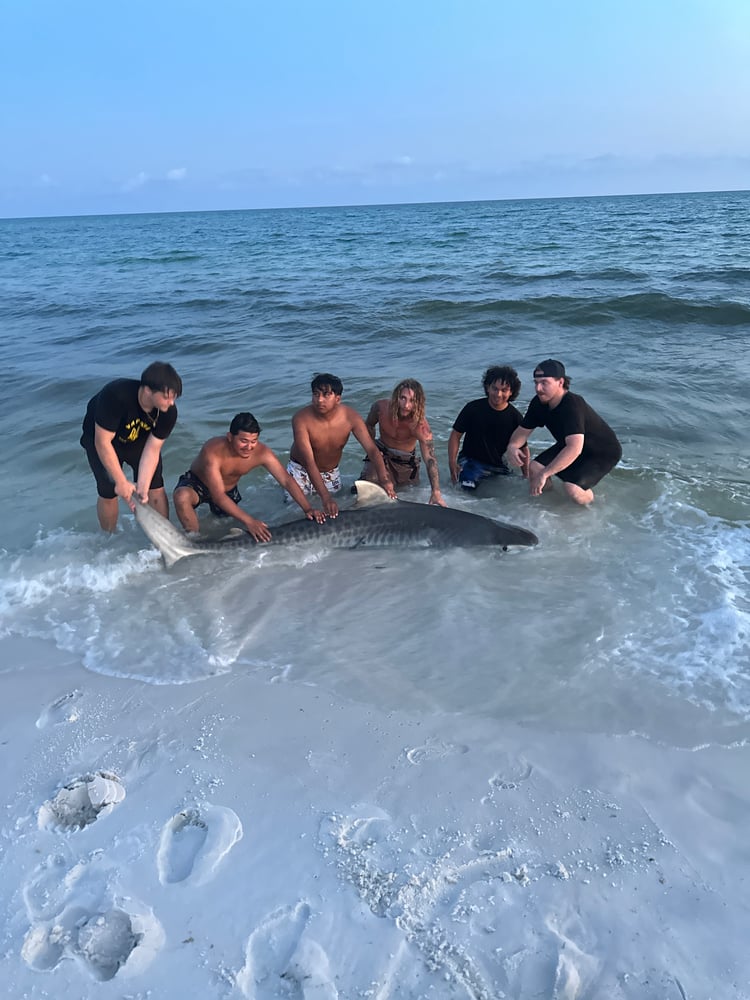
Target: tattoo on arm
432, 466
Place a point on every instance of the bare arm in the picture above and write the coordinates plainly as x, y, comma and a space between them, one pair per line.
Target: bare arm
303, 449
373, 418
454, 443
525, 460
105, 449
517, 450
147, 466
359, 430
273, 465
568, 455
212, 477
426, 446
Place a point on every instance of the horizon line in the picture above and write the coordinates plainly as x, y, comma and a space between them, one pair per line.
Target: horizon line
376, 204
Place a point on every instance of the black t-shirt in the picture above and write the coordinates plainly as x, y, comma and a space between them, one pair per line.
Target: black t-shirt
487, 431
116, 409
573, 415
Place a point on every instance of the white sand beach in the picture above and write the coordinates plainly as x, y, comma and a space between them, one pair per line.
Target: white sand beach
260, 838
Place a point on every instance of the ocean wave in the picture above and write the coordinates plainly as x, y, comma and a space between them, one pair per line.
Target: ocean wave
207, 303
172, 257
698, 638
529, 277
55, 309
169, 304
521, 277
426, 277
574, 310
733, 275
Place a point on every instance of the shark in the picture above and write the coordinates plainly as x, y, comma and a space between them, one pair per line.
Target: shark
375, 521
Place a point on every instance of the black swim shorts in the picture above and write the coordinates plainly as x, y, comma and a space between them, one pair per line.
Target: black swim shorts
105, 487
586, 471
190, 480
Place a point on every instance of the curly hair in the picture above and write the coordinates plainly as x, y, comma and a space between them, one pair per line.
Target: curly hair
505, 374
419, 399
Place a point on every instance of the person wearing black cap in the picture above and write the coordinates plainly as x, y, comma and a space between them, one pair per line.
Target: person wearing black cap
586, 447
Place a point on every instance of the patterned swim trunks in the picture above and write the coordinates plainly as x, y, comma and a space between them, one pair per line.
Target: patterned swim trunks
299, 473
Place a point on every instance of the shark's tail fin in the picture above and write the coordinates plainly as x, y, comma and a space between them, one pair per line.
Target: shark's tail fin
370, 494
170, 541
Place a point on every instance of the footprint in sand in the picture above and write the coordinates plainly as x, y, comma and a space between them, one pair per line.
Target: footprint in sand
381, 865
512, 772
64, 709
102, 942
576, 969
43, 947
434, 750
279, 961
81, 802
106, 941
48, 889
370, 855
194, 842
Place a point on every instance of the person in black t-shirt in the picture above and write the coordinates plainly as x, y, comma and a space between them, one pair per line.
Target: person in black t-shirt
586, 447
488, 424
128, 421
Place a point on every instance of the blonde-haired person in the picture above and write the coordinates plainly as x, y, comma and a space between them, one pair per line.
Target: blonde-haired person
402, 424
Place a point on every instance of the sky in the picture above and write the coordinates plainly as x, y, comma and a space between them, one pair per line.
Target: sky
159, 105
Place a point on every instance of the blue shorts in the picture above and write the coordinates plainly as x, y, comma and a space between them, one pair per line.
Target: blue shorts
197, 485
473, 472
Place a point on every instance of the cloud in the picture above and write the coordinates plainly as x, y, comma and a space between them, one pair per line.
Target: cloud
142, 179
136, 182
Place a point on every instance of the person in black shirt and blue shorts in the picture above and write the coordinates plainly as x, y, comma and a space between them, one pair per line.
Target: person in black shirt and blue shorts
488, 425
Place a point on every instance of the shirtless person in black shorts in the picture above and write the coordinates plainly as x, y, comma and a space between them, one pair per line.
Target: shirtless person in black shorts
127, 422
586, 449
215, 473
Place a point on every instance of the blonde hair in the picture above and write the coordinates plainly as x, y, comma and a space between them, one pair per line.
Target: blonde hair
419, 399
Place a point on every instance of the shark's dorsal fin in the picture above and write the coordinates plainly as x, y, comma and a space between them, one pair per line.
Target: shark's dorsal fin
370, 494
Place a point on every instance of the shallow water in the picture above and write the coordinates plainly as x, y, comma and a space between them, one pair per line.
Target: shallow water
630, 616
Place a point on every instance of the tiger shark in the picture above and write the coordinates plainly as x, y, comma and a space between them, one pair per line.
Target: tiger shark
375, 521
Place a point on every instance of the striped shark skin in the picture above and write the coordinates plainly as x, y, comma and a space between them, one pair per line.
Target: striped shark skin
374, 521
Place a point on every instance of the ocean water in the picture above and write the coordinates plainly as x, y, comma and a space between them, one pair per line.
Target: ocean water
630, 616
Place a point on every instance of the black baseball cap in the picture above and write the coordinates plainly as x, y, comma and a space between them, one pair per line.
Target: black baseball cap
550, 369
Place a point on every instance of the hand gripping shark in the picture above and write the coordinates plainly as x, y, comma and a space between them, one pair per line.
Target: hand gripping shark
374, 521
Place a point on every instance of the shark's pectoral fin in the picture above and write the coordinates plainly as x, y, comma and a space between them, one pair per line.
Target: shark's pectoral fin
369, 494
